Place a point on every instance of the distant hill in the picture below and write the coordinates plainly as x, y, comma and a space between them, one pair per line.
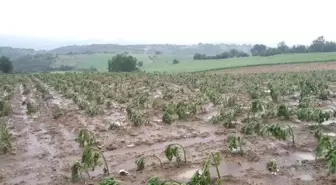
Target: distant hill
171, 49
16, 52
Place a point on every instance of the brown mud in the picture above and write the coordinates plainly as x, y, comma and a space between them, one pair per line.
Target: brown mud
280, 68
45, 148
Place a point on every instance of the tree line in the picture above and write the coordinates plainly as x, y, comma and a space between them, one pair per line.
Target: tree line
224, 55
317, 45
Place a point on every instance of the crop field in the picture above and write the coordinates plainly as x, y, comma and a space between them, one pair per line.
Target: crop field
163, 63
156, 129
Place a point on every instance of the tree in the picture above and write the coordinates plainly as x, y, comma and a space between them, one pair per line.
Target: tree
140, 63
271, 51
258, 50
198, 56
298, 49
234, 53
175, 61
317, 45
122, 63
6, 65
282, 47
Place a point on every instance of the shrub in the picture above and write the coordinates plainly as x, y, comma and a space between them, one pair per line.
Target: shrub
122, 63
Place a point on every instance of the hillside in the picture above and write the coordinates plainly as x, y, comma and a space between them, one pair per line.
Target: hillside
169, 49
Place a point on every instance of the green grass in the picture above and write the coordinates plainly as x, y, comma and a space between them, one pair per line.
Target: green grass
163, 63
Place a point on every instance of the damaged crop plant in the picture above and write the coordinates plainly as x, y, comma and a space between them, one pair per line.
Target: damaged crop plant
260, 106
160, 124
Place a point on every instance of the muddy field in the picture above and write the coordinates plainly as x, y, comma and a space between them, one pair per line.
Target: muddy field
281, 68
44, 147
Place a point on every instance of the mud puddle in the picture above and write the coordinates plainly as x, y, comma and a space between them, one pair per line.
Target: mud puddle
184, 142
240, 169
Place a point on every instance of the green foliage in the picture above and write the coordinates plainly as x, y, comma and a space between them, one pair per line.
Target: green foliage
227, 118
172, 150
167, 117
312, 114
274, 94
32, 108
305, 102
257, 106
108, 181
331, 159
326, 148
6, 65
91, 158
170, 108
5, 108
86, 138
272, 166
235, 144
93, 110
181, 110
251, 128
135, 116
175, 61
283, 111
5, 141
140, 64
140, 162
76, 170
122, 63
57, 112
324, 95
279, 132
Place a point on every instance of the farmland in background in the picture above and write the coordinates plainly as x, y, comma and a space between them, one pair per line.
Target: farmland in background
164, 63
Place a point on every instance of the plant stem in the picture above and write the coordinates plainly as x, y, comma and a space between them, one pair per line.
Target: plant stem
217, 169
97, 150
185, 156
292, 134
155, 156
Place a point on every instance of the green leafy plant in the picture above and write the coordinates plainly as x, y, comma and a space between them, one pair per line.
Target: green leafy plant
204, 177
5, 141
135, 116
57, 112
157, 181
331, 159
279, 132
201, 177
86, 138
167, 117
93, 110
108, 181
251, 128
31, 108
256, 106
283, 111
272, 166
140, 162
181, 110
235, 144
5, 108
91, 159
326, 148
77, 169
172, 150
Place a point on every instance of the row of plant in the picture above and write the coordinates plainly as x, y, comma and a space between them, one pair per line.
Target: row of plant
92, 157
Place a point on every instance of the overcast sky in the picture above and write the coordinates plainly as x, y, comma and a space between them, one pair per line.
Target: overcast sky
172, 21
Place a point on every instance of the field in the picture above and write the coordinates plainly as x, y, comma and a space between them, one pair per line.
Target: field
201, 128
163, 63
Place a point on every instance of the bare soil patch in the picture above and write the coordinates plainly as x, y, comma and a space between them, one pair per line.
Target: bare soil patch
280, 68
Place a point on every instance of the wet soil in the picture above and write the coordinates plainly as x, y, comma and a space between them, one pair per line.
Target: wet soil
45, 148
